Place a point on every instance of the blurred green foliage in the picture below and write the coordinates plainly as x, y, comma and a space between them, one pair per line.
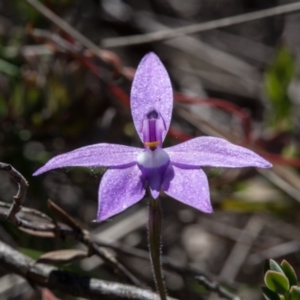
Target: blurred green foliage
281, 281
277, 80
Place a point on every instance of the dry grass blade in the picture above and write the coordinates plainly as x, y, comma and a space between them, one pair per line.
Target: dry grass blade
64, 217
225, 22
106, 56
64, 25
61, 257
33, 232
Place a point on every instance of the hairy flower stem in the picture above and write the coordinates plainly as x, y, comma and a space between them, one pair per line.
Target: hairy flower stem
154, 236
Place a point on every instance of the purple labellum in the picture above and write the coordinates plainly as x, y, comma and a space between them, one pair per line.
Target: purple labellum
153, 165
175, 170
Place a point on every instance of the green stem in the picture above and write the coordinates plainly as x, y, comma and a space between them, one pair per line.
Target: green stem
154, 236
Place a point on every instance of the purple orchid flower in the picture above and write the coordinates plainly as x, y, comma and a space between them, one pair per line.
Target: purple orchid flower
175, 170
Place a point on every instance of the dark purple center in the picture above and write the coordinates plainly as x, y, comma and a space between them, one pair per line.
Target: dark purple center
152, 130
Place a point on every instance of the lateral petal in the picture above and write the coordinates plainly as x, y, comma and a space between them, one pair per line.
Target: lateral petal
214, 152
188, 185
151, 89
98, 155
119, 189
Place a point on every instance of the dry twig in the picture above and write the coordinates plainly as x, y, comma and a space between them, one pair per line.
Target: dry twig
215, 24
21, 194
53, 229
67, 282
105, 55
70, 228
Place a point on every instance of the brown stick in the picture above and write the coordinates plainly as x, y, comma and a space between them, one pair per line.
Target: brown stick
67, 282
21, 194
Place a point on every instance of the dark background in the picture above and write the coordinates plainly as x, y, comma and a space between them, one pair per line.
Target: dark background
239, 82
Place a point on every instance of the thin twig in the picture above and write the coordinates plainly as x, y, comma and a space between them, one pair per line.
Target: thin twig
67, 282
54, 229
22, 190
110, 259
167, 264
84, 236
60, 230
106, 56
240, 250
281, 250
221, 23
197, 49
61, 43
46, 12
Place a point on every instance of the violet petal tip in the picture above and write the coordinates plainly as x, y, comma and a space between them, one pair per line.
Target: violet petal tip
151, 89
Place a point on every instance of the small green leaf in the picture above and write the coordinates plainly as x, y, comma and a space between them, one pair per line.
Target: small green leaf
274, 266
277, 282
289, 272
269, 295
294, 293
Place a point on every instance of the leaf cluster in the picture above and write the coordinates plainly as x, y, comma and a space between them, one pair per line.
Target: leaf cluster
281, 281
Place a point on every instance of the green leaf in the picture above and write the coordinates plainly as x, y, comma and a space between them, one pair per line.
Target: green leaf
274, 266
294, 293
31, 252
277, 282
9, 68
289, 272
269, 295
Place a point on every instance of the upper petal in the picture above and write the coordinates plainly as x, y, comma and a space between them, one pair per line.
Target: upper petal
151, 89
214, 152
119, 189
188, 185
98, 155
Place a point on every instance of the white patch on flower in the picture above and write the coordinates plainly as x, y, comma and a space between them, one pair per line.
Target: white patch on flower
153, 159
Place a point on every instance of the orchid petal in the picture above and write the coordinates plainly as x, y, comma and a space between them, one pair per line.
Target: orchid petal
151, 89
119, 189
98, 155
214, 152
188, 185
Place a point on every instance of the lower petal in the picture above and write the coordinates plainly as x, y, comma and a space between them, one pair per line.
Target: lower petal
119, 189
188, 185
